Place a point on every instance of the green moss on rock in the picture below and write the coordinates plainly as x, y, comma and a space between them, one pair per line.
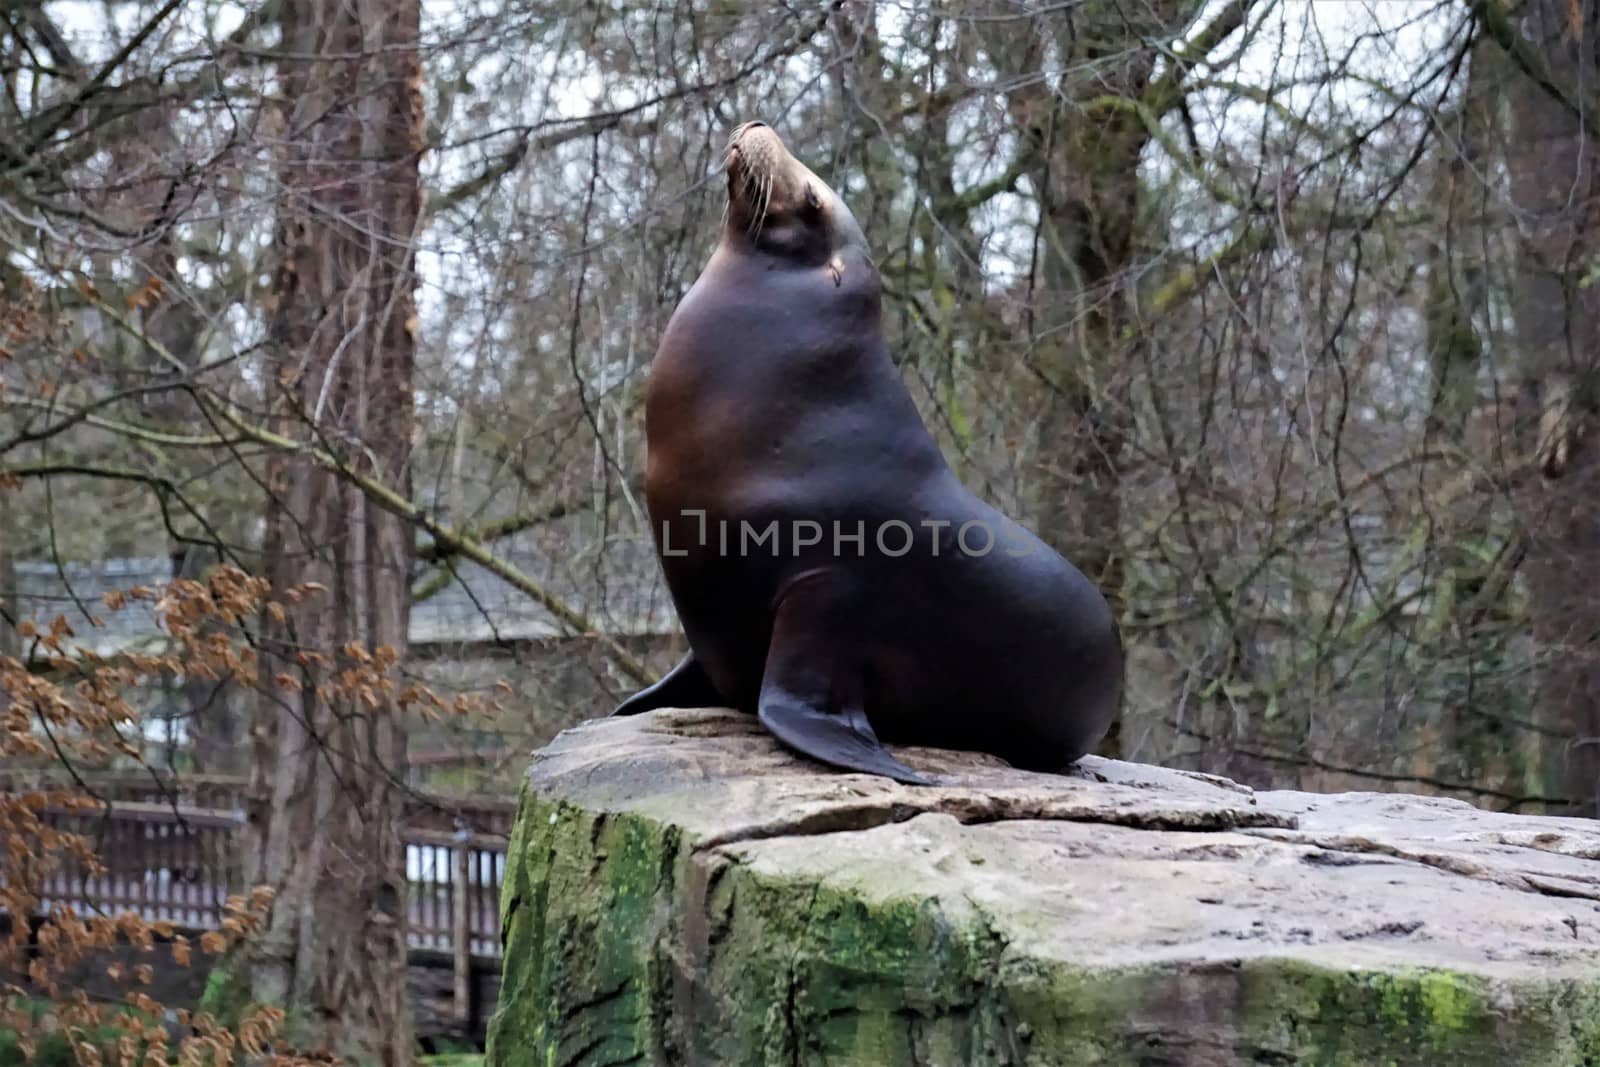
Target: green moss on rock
617, 952
671, 899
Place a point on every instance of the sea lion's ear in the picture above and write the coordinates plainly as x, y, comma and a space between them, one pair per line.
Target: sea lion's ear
813, 201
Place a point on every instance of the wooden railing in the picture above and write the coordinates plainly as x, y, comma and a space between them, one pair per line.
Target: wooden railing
179, 863
159, 862
455, 890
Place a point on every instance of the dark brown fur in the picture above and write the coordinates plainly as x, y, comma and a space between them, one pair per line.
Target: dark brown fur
773, 399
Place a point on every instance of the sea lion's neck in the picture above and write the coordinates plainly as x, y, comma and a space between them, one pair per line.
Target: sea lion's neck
844, 272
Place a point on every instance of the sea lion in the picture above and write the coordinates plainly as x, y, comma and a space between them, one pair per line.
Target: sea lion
829, 569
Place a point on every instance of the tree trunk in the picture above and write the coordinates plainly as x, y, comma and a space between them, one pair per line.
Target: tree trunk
10, 605
329, 738
1553, 179
1475, 744
1082, 327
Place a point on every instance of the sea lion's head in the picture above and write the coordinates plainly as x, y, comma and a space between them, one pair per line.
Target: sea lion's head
777, 205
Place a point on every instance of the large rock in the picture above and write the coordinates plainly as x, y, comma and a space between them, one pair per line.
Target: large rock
680, 890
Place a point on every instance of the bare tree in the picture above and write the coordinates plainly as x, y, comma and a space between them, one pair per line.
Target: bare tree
344, 332
1272, 316
1555, 193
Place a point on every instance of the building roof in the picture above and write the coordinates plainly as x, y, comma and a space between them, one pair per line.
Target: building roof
615, 584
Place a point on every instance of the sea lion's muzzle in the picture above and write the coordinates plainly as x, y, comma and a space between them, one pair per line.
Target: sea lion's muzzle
776, 200
755, 151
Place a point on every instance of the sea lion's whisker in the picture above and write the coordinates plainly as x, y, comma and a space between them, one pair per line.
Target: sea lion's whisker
758, 206
766, 201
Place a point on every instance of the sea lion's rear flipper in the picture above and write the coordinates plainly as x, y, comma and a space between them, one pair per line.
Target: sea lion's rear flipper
684, 686
811, 689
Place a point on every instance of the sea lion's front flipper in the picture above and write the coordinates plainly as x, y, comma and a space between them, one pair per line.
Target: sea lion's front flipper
684, 686
812, 688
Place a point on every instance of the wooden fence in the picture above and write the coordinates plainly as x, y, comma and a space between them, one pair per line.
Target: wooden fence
166, 858
181, 863
159, 862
